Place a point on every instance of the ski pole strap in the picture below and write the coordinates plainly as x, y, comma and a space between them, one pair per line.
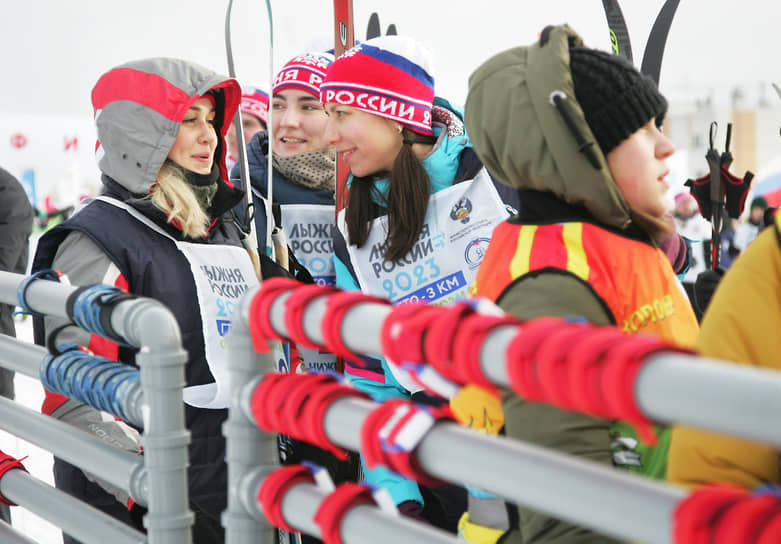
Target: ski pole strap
21, 290
7, 463
391, 433
296, 305
260, 328
468, 341
335, 506
90, 308
735, 191
273, 490
583, 367
720, 514
337, 307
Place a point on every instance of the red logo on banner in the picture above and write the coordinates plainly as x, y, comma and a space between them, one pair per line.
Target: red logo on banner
72, 143
18, 140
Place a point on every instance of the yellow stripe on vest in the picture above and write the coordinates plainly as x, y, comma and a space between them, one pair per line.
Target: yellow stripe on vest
520, 262
577, 263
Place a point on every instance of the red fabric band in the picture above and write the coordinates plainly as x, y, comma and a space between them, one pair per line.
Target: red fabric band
403, 330
262, 403
295, 405
296, 305
273, 490
746, 520
371, 449
388, 437
694, 517
771, 532
620, 369
438, 342
336, 308
313, 416
584, 369
552, 370
468, 343
521, 364
577, 366
335, 506
7, 463
260, 328
721, 514
291, 416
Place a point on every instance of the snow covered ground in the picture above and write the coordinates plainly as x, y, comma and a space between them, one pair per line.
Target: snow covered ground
39, 462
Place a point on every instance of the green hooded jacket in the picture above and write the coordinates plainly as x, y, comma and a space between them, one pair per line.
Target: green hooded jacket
524, 142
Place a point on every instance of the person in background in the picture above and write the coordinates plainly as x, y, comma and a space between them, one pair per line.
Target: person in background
416, 189
697, 231
303, 166
748, 230
160, 215
16, 224
254, 118
576, 132
303, 192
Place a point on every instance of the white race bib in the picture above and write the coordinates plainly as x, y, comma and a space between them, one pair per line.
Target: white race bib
443, 263
222, 275
310, 233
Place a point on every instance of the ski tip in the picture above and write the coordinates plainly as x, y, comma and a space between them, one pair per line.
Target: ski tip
373, 29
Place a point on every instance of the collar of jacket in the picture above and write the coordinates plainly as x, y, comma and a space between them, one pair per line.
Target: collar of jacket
224, 200
544, 208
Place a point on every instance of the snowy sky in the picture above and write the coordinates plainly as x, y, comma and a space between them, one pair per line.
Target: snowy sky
54, 51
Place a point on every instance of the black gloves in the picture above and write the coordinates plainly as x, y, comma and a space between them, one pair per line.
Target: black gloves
704, 287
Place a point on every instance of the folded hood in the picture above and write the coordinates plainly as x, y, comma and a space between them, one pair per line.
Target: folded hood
523, 139
139, 107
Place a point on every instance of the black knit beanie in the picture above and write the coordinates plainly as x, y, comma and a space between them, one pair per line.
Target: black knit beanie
614, 96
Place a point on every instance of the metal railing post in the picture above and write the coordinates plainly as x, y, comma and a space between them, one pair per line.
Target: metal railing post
247, 447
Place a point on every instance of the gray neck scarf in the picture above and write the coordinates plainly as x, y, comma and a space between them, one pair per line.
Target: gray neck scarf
314, 170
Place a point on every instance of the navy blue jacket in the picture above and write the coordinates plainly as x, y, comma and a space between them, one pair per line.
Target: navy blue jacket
148, 262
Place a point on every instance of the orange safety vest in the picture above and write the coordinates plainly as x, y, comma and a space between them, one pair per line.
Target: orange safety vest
634, 280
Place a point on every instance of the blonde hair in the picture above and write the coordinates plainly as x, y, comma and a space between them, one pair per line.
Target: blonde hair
174, 196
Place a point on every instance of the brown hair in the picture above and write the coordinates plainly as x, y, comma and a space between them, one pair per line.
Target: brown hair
655, 227
406, 203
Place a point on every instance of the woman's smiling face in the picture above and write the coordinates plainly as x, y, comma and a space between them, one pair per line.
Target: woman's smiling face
298, 123
369, 143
